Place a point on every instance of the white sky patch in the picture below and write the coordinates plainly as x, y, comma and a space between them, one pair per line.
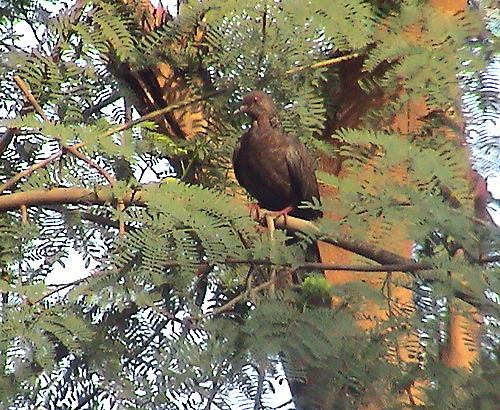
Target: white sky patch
74, 269
494, 186
26, 35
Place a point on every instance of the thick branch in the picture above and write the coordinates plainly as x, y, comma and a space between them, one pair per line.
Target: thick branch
389, 261
61, 196
100, 195
365, 249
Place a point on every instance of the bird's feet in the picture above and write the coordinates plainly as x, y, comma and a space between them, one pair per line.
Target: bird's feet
271, 217
256, 212
283, 212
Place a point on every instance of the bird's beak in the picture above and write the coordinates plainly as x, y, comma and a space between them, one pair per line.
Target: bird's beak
243, 108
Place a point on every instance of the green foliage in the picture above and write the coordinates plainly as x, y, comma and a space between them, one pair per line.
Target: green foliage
315, 290
191, 304
427, 49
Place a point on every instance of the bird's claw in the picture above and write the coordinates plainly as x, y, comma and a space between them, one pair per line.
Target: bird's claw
283, 212
254, 211
257, 213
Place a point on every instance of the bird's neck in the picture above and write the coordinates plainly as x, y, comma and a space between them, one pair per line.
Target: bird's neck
258, 131
265, 121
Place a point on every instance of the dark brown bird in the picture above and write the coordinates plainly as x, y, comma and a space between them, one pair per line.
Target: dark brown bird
274, 167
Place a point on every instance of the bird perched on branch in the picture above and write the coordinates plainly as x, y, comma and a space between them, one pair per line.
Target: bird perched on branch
274, 167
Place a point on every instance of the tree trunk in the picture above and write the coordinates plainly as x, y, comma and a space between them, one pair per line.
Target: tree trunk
461, 347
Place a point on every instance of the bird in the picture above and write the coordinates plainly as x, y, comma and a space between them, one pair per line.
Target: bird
273, 166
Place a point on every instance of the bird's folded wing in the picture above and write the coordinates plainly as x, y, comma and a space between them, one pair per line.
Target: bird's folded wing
301, 171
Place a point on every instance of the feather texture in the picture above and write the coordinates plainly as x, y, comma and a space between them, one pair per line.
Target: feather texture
273, 166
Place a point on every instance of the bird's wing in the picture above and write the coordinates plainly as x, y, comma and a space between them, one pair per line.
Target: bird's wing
239, 166
301, 169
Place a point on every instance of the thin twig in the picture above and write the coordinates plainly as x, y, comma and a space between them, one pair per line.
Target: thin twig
24, 214
325, 63
58, 288
71, 149
226, 307
156, 113
13, 181
24, 88
91, 163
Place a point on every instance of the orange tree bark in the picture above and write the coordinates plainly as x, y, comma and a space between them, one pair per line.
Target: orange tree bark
461, 347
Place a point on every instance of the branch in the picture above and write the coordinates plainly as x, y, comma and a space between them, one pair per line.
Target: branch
409, 267
365, 249
58, 288
485, 306
325, 63
71, 149
62, 196
389, 261
157, 113
91, 163
24, 88
102, 220
16, 178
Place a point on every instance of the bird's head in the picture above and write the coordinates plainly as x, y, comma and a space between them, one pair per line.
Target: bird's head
258, 104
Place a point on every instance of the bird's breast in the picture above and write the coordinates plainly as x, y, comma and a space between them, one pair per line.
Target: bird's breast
261, 167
